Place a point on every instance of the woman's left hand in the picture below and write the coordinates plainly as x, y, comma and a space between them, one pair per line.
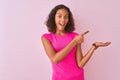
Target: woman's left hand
101, 44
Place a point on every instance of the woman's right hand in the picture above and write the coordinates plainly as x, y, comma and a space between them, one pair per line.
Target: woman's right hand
80, 38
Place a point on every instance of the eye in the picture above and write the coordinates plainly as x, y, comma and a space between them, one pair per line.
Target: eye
59, 16
66, 17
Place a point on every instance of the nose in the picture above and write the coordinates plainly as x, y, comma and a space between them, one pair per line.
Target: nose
63, 19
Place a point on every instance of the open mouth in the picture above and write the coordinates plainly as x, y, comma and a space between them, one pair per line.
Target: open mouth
63, 25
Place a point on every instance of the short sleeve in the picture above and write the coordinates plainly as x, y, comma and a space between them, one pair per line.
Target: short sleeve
47, 35
74, 34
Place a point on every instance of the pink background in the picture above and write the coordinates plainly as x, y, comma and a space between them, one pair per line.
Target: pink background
22, 56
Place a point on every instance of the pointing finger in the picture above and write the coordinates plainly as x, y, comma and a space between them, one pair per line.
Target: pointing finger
85, 33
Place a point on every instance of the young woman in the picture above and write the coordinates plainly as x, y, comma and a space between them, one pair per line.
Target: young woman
63, 45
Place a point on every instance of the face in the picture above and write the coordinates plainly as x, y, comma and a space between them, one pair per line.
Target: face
61, 19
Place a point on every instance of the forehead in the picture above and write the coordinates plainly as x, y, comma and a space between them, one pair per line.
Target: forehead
62, 11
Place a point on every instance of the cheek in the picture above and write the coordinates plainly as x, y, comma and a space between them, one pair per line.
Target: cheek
67, 21
56, 20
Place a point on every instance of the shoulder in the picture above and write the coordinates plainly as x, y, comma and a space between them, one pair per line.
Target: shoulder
47, 35
73, 33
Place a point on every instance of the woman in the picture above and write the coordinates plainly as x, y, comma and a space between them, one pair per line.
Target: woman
63, 45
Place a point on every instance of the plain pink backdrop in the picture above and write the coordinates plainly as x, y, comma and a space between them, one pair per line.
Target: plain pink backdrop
22, 22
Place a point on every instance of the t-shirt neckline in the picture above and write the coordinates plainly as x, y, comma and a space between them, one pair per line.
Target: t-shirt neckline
60, 35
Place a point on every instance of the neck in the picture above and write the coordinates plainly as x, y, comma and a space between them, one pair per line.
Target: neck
60, 32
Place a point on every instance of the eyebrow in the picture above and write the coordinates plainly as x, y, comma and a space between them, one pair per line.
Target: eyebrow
58, 13
61, 14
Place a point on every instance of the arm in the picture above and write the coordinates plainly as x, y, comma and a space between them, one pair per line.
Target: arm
57, 57
79, 54
81, 61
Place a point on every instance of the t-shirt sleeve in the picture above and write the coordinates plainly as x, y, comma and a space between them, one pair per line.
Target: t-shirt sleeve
47, 36
74, 34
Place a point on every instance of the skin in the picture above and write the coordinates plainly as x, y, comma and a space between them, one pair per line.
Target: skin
61, 20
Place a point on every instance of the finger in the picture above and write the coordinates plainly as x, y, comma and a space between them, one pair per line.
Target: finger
108, 43
85, 33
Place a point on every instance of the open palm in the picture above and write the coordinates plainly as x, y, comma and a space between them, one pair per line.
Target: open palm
102, 44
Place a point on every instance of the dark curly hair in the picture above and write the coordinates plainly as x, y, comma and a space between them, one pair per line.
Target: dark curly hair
50, 23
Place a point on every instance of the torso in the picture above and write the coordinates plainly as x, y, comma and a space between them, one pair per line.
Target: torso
67, 69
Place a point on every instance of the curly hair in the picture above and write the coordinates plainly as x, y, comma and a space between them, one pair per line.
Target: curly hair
50, 23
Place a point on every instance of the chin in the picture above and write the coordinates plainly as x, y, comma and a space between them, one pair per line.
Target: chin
62, 29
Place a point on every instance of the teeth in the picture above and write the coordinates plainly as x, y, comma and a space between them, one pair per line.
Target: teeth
62, 24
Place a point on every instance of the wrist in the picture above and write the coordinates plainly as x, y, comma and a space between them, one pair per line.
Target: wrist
74, 42
95, 46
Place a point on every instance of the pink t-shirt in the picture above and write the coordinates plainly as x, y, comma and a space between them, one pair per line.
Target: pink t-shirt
67, 69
